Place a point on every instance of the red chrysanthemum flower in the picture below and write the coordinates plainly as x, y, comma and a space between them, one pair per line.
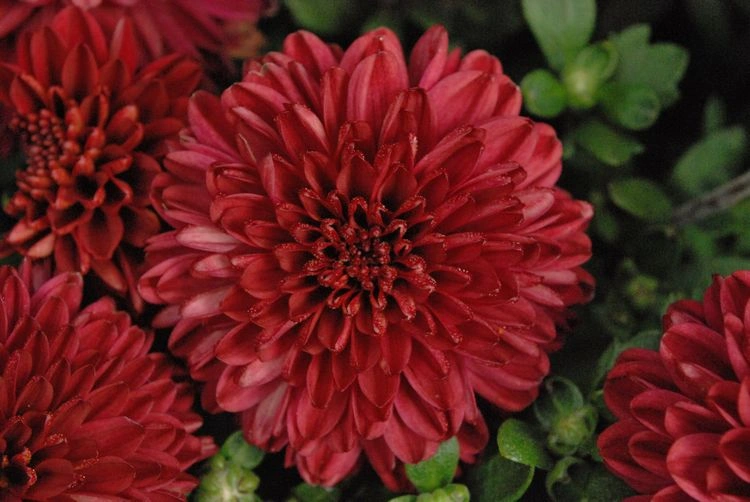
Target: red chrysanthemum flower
684, 412
86, 413
92, 127
361, 245
161, 26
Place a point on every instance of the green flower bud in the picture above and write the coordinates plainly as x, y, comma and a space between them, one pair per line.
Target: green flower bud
584, 76
570, 431
457, 492
230, 476
642, 291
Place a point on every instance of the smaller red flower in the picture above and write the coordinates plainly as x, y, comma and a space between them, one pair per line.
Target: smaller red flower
684, 412
160, 27
92, 127
86, 413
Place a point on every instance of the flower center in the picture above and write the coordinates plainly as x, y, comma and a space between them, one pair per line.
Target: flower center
361, 255
53, 149
364, 256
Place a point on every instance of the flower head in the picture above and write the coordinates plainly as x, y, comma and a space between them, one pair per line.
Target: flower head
85, 410
361, 245
160, 27
684, 411
92, 126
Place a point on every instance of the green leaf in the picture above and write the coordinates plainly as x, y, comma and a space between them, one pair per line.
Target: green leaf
714, 114
659, 67
632, 106
711, 161
543, 95
404, 498
436, 471
642, 198
584, 76
321, 16
520, 442
239, 452
310, 493
606, 144
559, 475
561, 27
499, 480
573, 480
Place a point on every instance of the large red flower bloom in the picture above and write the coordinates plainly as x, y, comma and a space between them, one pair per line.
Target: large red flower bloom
161, 26
361, 245
684, 428
91, 126
85, 412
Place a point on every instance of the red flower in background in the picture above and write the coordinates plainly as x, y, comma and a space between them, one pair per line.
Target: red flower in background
362, 245
92, 128
86, 413
160, 26
684, 412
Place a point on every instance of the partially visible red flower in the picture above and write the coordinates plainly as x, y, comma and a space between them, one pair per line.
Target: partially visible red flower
160, 26
684, 411
86, 413
92, 126
362, 245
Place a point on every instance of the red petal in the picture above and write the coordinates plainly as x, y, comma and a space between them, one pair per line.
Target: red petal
206, 239
650, 407
374, 84
76, 26
428, 57
320, 385
733, 448
422, 418
407, 446
209, 123
613, 447
689, 459
333, 97
107, 475
80, 73
379, 388
116, 436
464, 99
314, 54
649, 450
101, 234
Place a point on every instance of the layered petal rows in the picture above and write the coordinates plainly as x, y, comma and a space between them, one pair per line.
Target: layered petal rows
684, 411
159, 26
363, 244
92, 125
85, 412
